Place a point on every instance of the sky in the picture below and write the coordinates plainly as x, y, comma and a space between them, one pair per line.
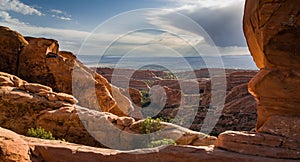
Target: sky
119, 27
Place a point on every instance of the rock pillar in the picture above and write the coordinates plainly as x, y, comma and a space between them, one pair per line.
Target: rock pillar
272, 30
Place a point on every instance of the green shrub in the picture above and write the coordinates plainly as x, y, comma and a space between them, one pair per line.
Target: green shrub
165, 141
40, 133
145, 98
150, 125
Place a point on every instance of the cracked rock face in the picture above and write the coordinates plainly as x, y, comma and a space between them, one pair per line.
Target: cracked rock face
272, 30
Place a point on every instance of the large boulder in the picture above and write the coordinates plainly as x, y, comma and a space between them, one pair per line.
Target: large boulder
277, 92
33, 63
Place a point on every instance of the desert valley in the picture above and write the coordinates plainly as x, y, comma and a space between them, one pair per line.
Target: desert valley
55, 108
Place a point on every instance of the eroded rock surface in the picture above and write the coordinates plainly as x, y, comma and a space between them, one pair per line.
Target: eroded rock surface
25, 149
12, 43
13, 147
261, 144
38, 60
272, 29
30, 105
167, 96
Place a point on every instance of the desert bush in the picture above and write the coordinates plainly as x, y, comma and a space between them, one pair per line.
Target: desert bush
145, 98
40, 133
150, 125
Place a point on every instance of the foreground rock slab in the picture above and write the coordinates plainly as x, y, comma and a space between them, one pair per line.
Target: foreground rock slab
260, 144
25, 149
13, 147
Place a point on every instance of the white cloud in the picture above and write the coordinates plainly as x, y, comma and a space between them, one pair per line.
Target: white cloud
19, 7
56, 11
68, 39
64, 18
222, 20
203, 3
60, 15
234, 50
7, 18
164, 20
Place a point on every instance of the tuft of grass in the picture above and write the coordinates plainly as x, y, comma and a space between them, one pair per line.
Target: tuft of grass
40, 133
165, 141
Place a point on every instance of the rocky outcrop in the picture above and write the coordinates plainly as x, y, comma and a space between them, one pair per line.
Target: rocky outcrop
125, 82
21, 101
272, 29
277, 92
12, 44
29, 105
38, 60
135, 96
272, 32
142, 75
165, 97
168, 95
54, 151
33, 63
25, 149
260, 144
239, 112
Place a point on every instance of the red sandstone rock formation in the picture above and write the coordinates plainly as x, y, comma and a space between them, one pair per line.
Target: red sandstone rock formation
39, 60
13, 147
24, 149
26, 105
272, 29
10, 49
